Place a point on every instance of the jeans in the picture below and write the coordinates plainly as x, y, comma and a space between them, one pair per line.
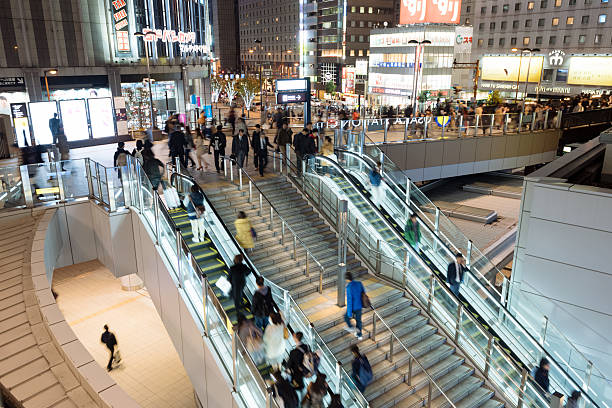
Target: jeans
261, 322
357, 317
454, 287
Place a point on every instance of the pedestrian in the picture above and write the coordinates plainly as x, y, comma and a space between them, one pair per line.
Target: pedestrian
244, 231
376, 181
195, 213
572, 401
299, 141
189, 145
295, 363
362, 371
177, 145
541, 375
283, 138
354, 293
237, 277
63, 146
54, 127
231, 119
455, 272
241, 125
110, 340
315, 392
263, 303
336, 402
137, 152
328, 148
283, 392
274, 339
251, 337
309, 146
218, 142
200, 149
240, 147
260, 145
153, 168
412, 232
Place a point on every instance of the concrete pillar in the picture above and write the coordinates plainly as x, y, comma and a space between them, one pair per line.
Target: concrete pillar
114, 81
33, 85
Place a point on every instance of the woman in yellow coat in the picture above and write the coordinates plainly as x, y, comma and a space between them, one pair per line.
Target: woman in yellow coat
244, 234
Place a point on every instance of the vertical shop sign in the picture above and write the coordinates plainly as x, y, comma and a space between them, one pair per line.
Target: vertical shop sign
120, 21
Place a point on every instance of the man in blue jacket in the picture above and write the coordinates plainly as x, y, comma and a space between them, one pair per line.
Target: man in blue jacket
354, 289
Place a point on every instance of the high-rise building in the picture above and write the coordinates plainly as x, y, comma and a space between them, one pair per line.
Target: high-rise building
226, 45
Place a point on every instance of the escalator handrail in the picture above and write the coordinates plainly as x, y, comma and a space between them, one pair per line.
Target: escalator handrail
443, 284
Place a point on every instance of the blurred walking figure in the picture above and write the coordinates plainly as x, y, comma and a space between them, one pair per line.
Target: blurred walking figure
200, 149
572, 401
263, 303
251, 336
237, 277
541, 375
274, 338
354, 295
195, 213
362, 371
240, 147
283, 392
412, 232
315, 393
454, 273
375, 181
244, 231
218, 142
153, 168
137, 152
109, 339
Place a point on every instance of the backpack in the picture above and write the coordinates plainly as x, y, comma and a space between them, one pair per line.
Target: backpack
365, 371
286, 396
122, 159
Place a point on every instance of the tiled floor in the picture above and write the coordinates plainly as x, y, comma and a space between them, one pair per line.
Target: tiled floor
151, 371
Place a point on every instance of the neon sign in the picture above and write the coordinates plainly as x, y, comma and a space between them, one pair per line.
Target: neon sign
430, 11
120, 18
185, 40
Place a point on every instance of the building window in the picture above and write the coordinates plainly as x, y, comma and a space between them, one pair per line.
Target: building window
572, 3
538, 40
541, 22
513, 41
544, 4
584, 20
505, 8
370, 10
526, 40
353, 9
504, 24
569, 21
581, 39
502, 42
527, 23
361, 53
552, 40
490, 42
352, 53
480, 26
480, 42
555, 21
483, 11
567, 39
468, 9
517, 6
547, 75
597, 39
515, 24
602, 18
558, 3
494, 9
492, 26
362, 10
530, 5
562, 75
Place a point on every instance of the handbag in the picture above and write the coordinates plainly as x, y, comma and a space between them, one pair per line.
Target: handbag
253, 233
365, 300
224, 285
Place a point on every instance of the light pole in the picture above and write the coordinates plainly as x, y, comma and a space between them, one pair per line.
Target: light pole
52, 71
530, 51
415, 79
260, 63
140, 34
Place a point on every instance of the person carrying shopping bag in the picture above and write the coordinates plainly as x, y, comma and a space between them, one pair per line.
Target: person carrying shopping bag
195, 213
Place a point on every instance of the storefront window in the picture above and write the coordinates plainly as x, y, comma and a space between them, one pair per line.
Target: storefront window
6, 98
137, 103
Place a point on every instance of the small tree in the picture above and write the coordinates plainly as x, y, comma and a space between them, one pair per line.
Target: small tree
230, 90
330, 88
247, 89
494, 98
216, 86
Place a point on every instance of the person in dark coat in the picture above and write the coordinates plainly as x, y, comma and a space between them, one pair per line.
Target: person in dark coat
237, 276
260, 145
298, 145
283, 138
455, 271
263, 303
282, 389
359, 360
541, 374
177, 145
240, 147
218, 142
109, 339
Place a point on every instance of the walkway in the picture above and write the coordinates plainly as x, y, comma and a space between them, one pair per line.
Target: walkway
151, 371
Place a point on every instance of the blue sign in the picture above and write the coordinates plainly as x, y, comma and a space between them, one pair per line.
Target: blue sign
207, 109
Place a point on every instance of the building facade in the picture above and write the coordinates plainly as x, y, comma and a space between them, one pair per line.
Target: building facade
226, 45
71, 52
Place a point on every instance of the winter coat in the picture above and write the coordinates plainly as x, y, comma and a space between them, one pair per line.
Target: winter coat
243, 233
274, 343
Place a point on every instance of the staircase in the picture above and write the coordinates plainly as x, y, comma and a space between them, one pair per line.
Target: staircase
389, 388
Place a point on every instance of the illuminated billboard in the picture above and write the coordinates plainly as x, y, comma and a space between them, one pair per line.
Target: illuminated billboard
348, 80
595, 71
430, 11
506, 68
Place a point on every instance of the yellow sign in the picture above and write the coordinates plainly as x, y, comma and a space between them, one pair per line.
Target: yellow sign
48, 190
506, 68
590, 71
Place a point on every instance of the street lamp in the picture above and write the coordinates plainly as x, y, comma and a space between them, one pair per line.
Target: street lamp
530, 51
415, 79
140, 34
51, 71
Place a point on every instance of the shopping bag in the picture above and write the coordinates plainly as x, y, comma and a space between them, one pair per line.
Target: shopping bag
172, 198
117, 356
224, 285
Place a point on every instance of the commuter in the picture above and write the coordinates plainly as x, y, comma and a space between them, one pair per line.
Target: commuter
195, 213
362, 371
251, 337
263, 303
283, 392
244, 231
295, 363
241, 125
283, 138
299, 141
189, 145
177, 145
274, 338
240, 147
237, 277
412, 232
335, 402
110, 340
541, 375
309, 146
54, 127
218, 142
231, 119
355, 293
153, 168
315, 392
455, 272
260, 145
328, 148
572, 401
62, 145
200, 150
121, 155
376, 181
137, 152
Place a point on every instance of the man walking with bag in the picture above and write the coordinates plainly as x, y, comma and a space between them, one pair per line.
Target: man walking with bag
109, 339
356, 299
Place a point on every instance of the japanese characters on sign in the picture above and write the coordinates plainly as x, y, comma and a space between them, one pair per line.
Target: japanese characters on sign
186, 41
430, 11
120, 19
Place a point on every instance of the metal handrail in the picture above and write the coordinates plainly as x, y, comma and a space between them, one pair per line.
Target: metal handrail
273, 209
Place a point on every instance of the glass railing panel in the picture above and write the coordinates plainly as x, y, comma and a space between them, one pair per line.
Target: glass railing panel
74, 178
167, 234
473, 340
101, 170
505, 375
146, 198
44, 182
11, 188
114, 183
95, 180
219, 333
445, 306
246, 379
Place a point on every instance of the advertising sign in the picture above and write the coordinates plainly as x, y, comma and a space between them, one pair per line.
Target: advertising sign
291, 85
19, 112
120, 21
101, 114
291, 98
596, 71
463, 39
348, 80
186, 41
361, 67
120, 115
506, 68
430, 11
442, 36
41, 113
12, 82
74, 117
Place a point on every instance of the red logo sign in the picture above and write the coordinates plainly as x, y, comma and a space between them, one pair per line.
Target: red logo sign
430, 11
